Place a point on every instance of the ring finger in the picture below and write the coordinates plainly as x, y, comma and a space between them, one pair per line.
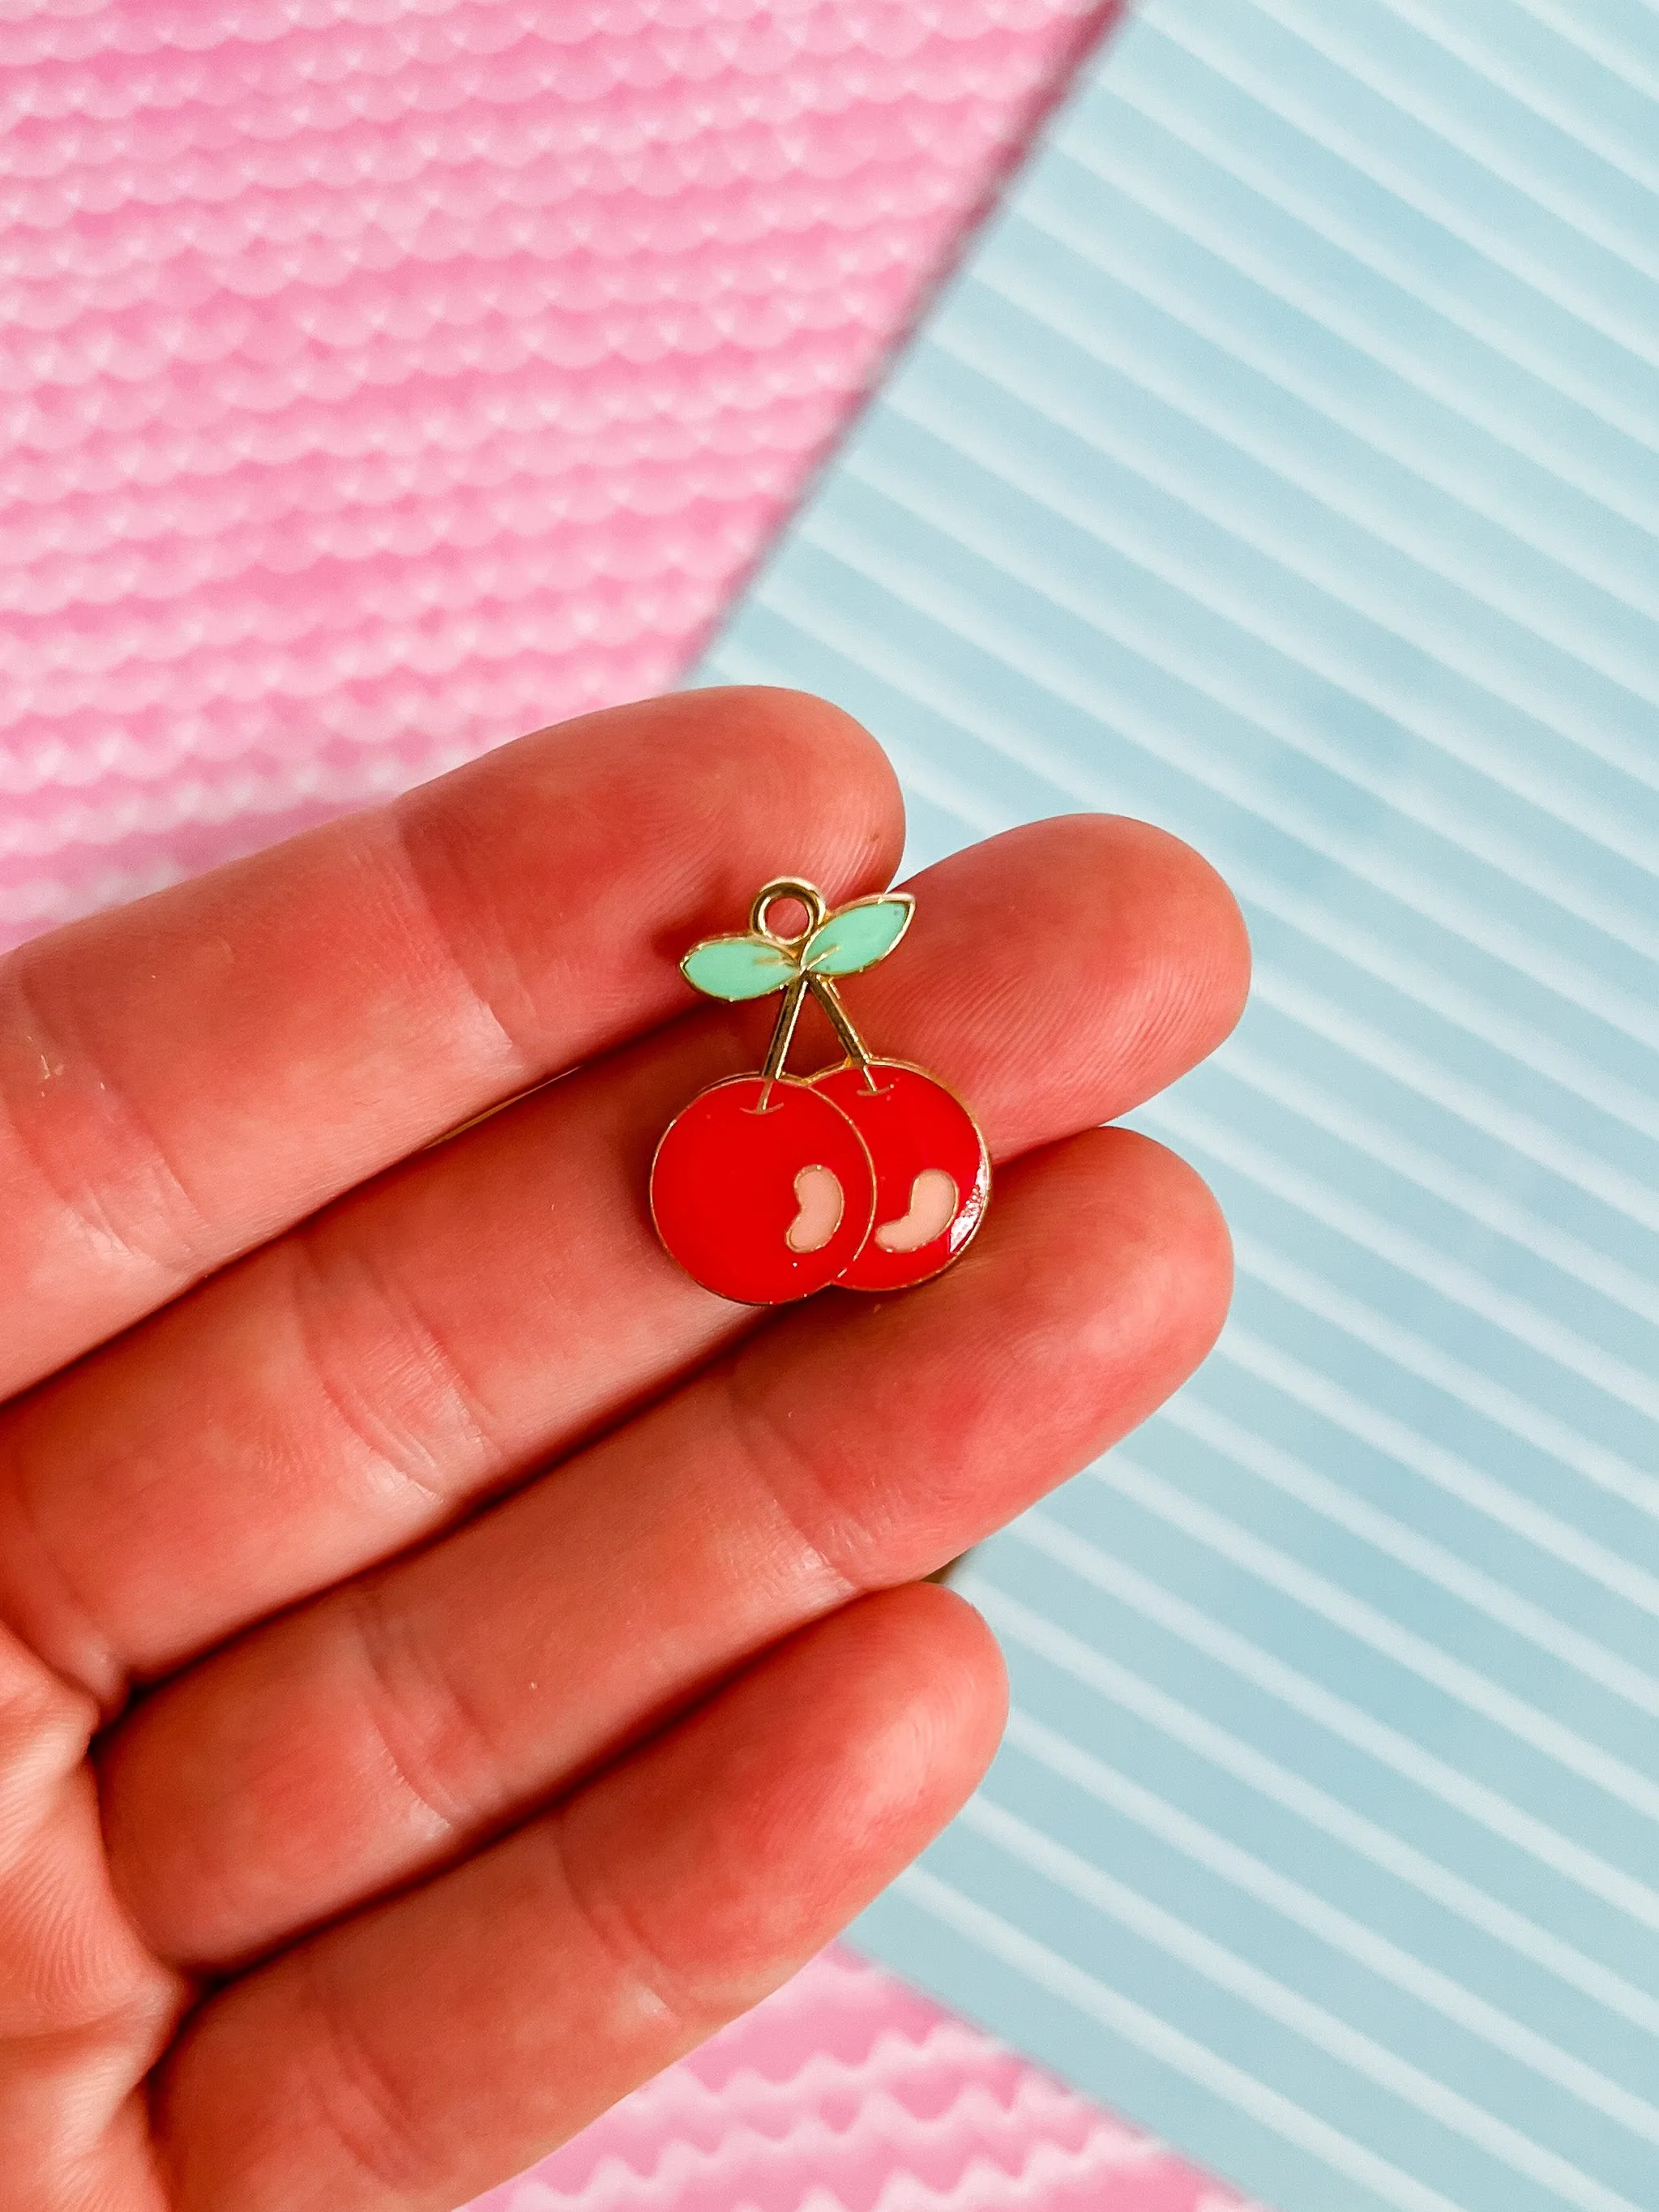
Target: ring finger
847, 1448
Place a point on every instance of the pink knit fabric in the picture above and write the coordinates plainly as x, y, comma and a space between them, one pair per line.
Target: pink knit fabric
848, 2093
381, 378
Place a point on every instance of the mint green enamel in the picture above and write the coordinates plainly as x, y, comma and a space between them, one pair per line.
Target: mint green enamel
858, 936
738, 967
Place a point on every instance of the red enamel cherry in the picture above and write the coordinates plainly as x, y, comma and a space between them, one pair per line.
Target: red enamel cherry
762, 1203
933, 1171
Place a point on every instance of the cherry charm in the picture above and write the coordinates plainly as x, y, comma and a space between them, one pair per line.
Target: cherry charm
933, 1171
763, 1191
870, 1173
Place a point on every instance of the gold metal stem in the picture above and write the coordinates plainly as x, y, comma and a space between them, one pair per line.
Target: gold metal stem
783, 1033
830, 999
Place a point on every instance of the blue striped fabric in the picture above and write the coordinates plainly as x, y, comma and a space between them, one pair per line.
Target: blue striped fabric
1284, 466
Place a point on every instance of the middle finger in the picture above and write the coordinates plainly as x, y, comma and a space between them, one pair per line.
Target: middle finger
490, 1304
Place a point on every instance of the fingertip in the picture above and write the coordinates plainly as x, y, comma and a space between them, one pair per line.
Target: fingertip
1140, 1223
899, 1703
1098, 1283
1171, 923
899, 1700
1205, 938
942, 1655
1188, 1236
782, 1808
778, 713
1133, 963
818, 769
971, 1671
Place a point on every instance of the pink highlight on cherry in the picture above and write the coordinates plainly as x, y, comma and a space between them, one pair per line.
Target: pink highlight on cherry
871, 1174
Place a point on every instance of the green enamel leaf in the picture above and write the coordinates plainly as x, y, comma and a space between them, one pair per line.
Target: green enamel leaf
738, 967
859, 935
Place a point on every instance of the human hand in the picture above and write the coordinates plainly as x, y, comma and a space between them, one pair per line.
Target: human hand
450, 1663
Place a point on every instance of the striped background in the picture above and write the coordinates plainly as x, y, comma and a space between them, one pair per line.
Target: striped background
1284, 466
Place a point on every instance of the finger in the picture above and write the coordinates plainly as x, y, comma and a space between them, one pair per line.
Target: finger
343, 1391
85, 2009
856, 1445
182, 1078
432, 2046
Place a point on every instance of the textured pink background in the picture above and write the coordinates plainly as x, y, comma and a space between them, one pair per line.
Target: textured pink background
380, 378
848, 2093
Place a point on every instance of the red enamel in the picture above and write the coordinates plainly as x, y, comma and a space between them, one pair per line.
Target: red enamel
723, 1188
909, 1121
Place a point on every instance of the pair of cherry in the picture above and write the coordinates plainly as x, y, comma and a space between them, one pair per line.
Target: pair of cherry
870, 1173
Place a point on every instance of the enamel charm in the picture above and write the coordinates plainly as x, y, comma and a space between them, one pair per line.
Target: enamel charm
870, 1173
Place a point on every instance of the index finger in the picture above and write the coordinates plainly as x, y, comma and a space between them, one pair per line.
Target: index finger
184, 1077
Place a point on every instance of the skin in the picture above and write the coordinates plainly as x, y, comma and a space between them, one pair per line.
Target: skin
449, 1662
